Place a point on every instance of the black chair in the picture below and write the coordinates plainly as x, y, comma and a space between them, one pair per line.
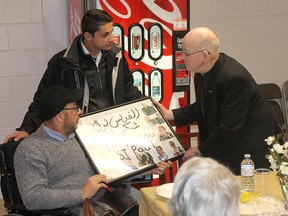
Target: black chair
12, 199
273, 95
285, 100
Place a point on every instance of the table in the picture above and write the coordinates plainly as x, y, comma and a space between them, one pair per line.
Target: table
151, 204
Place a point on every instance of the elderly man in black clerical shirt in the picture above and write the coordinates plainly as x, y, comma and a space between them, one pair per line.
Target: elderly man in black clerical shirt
232, 115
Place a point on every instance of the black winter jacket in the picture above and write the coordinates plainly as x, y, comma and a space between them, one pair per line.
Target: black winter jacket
68, 67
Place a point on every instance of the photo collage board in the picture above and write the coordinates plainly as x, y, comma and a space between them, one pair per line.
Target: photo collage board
127, 140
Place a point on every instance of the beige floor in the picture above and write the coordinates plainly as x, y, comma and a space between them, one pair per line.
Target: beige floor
3, 210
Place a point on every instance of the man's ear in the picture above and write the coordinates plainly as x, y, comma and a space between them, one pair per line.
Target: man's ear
88, 36
206, 55
60, 116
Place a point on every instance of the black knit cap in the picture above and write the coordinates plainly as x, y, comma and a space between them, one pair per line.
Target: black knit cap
55, 98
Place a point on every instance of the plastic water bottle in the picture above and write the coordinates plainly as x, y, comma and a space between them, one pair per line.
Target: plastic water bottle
247, 173
156, 87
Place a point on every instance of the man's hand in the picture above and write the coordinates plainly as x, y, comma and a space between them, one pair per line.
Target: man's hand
161, 167
93, 184
168, 114
191, 153
16, 136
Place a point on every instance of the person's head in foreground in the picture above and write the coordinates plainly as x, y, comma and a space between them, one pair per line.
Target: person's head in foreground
203, 187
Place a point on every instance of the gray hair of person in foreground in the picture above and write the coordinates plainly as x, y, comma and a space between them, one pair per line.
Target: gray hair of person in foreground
203, 186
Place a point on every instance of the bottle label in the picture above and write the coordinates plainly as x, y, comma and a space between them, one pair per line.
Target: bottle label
247, 170
155, 91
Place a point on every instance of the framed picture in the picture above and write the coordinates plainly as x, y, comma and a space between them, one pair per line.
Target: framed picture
127, 140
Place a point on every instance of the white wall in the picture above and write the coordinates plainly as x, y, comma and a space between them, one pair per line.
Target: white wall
31, 31
21, 58
255, 32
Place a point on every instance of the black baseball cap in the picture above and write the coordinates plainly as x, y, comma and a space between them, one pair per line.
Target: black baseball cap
55, 98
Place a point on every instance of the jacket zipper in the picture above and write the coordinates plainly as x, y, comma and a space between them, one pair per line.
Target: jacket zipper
99, 77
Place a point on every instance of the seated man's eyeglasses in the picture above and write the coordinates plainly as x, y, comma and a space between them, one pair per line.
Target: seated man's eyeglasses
76, 108
188, 54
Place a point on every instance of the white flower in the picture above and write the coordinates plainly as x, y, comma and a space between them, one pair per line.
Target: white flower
273, 163
285, 152
270, 140
277, 158
285, 145
270, 158
278, 148
284, 168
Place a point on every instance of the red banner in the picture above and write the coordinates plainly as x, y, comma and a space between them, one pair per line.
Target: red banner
74, 12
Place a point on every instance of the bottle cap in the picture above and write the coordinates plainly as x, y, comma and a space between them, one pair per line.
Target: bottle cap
247, 156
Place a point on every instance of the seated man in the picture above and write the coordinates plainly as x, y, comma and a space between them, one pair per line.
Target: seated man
50, 166
204, 187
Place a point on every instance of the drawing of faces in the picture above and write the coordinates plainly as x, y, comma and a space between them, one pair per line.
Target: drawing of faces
176, 150
128, 162
164, 134
144, 158
162, 155
158, 119
148, 110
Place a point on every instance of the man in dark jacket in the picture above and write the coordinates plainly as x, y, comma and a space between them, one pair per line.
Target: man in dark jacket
232, 116
93, 62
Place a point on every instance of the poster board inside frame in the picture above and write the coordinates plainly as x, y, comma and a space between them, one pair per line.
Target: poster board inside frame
122, 141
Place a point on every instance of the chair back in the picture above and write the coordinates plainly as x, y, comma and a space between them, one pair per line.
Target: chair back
278, 114
273, 95
270, 91
9, 186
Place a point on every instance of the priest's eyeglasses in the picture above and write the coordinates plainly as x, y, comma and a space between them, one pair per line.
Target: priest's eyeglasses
188, 54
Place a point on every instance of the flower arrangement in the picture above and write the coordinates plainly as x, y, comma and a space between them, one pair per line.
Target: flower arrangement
278, 159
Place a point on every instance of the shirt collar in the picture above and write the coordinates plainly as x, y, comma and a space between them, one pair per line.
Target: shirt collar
214, 69
54, 134
86, 52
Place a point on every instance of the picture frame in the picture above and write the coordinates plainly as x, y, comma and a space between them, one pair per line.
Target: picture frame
126, 140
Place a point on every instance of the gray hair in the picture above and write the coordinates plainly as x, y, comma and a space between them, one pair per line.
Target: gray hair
205, 187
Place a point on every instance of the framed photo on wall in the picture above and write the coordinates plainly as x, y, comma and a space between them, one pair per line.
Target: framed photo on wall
127, 140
